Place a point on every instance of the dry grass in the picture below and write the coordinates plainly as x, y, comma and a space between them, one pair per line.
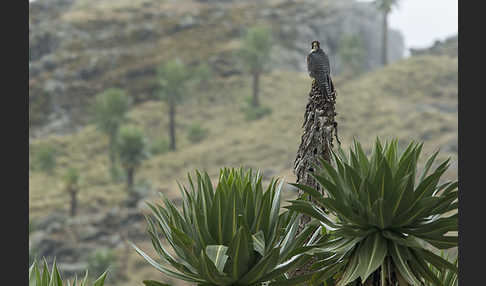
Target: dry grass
398, 101
270, 143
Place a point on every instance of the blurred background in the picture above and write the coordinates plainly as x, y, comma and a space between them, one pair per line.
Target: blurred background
128, 96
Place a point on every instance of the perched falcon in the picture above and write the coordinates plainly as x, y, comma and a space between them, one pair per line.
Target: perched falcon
319, 68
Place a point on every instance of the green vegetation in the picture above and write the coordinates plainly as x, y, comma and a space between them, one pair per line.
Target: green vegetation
100, 260
383, 102
46, 277
159, 146
173, 79
32, 250
196, 133
383, 219
203, 75
384, 97
255, 112
352, 54
110, 110
132, 151
71, 180
385, 6
32, 254
231, 235
45, 159
32, 226
446, 277
391, 106
255, 55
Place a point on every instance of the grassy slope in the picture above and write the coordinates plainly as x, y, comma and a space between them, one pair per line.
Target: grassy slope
402, 100
399, 100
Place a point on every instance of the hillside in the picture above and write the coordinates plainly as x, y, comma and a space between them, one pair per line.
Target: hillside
80, 47
413, 99
449, 46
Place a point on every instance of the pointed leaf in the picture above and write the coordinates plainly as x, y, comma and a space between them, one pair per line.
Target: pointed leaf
371, 254
217, 254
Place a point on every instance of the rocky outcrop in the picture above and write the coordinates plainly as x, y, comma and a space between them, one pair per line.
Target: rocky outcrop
79, 49
72, 240
328, 22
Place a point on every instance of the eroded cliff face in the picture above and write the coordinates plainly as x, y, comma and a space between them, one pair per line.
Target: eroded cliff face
81, 47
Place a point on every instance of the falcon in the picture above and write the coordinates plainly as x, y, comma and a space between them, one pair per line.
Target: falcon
319, 68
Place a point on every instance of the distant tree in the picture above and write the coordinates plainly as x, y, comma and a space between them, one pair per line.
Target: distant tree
110, 109
385, 6
351, 53
203, 75
255, 53
45, 159
132, 150
173, 79
71, 180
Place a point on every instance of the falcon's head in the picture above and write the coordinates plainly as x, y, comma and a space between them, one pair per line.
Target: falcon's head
315, 46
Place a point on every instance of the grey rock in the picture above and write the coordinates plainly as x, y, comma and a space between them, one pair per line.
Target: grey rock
54, 227
49, 62
36, 237
34, 70
187, 21
52, 86
46, 246
89, 232
114, 240
41, 44
72, 269
43, 223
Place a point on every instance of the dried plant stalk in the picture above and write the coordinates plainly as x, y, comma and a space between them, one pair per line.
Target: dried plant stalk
317, 141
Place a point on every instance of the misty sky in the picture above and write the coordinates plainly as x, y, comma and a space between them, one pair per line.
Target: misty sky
424, 21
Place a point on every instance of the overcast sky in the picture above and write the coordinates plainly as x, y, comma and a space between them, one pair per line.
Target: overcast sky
424, 21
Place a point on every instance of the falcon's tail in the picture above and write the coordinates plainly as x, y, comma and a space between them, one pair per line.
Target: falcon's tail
324, 85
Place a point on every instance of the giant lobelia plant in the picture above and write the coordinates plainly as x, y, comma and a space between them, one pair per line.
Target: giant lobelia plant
231, 235
38, 277
383, 216
447, 277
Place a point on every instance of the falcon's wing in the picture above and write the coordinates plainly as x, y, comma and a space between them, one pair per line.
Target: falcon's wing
327, 64
308, 64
